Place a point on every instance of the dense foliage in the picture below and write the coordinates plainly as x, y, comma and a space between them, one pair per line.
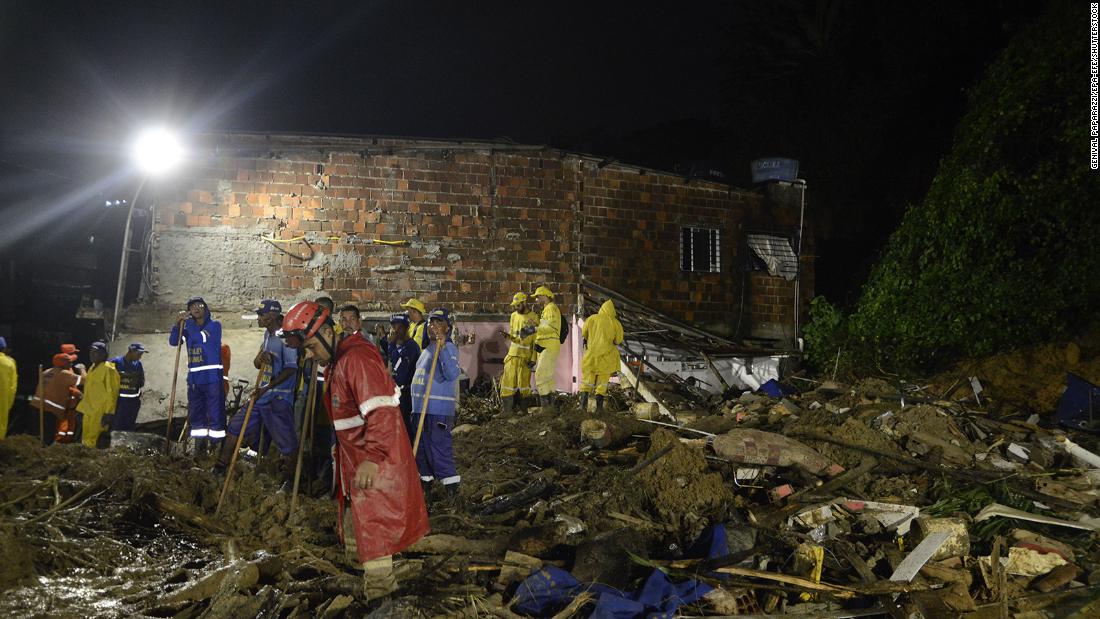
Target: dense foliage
1003, 249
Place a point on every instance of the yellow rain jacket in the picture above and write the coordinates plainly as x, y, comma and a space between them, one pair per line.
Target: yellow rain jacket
604, 333
549, 330
100, 397
521, 347
517, 376
8, 381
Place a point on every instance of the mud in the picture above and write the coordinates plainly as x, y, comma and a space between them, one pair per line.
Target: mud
680, 489
1031, 377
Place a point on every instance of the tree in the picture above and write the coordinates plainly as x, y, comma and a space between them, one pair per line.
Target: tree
1001, 252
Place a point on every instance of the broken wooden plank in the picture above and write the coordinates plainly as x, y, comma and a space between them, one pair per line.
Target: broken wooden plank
441, 544
882, 587
645, 392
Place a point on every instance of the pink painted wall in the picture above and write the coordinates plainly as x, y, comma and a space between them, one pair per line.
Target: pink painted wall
486, 354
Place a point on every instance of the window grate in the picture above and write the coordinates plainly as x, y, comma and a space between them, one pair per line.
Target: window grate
700, 250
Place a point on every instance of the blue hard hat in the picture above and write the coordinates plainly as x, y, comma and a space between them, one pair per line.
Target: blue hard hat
440, 313
269, 305
400, 318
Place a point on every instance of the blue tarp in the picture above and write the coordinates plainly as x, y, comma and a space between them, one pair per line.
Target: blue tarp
550, 589
776, 389
1080, 403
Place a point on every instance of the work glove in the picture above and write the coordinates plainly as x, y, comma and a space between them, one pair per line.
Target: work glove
527, 331
531, 365
539, 348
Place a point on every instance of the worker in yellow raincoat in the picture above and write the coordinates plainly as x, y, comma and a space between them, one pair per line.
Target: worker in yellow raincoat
101, 386
8, 380
515, 383
548, 341
418, 326
602, 334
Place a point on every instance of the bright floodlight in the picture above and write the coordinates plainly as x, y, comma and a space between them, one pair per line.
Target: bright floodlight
156, 151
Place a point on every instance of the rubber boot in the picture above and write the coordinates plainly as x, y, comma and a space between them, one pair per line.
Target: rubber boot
378, 578
226, 451
508, 404
599, 403
546, 403
454, 499
426, 488
584, 401
290, 464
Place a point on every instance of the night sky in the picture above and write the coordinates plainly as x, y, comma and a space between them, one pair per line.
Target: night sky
865, 94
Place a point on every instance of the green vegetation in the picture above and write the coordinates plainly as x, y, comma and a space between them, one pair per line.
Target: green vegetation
1003, 250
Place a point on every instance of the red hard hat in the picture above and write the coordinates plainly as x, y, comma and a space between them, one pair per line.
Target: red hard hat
304, 320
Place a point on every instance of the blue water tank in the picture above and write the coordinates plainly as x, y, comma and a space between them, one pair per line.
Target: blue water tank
774, 169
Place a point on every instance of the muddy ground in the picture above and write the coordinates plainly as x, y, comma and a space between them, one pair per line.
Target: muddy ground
109, 533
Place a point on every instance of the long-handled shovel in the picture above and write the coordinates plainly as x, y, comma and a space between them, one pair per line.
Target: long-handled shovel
427, 394
307, 424
240, 438
172, 395
41, 405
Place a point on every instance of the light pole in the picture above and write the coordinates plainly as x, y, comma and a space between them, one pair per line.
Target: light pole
154, 152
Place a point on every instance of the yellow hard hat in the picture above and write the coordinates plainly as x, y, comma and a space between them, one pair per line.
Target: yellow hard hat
518, 298
543, 291
416, 305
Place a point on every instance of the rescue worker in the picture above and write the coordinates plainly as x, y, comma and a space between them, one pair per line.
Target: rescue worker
403, 354
9, 379
131, 381
418, 328
330, 305
548, 342
101, 389
60, 393
350, 319
515, 384
274, 407
602, 334
205, 394
375, 469
435, 455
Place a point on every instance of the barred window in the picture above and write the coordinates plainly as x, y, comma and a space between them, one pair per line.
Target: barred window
699, 250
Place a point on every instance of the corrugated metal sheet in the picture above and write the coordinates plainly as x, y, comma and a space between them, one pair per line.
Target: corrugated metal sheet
776, 253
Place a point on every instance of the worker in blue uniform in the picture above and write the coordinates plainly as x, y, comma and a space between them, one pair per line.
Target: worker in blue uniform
205, 398
274, 407
132, 379
435, 454
403, 353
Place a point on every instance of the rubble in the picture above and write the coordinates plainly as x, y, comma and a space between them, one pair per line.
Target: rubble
884, 498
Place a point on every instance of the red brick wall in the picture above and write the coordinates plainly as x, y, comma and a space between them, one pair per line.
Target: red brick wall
482, 224
632, 231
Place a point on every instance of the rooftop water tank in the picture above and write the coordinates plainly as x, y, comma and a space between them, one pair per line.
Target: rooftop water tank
774, 169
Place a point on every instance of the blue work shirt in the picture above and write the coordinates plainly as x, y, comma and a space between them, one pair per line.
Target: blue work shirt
131, 377
204, 349
284, 357
444, 396
403, 362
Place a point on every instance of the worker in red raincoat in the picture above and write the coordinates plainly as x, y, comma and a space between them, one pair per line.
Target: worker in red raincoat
375, 470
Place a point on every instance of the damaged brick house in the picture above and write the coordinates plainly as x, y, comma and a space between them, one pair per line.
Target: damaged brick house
374, 220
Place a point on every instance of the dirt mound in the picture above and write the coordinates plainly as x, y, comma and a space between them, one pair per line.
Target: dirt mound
680, 488
1032, 377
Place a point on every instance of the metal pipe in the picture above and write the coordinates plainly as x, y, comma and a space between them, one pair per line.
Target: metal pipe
122, 261
798, 261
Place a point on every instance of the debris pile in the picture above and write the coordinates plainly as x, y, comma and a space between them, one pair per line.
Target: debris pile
878, 498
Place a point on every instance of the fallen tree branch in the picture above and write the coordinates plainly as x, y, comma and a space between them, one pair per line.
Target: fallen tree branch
187, 514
